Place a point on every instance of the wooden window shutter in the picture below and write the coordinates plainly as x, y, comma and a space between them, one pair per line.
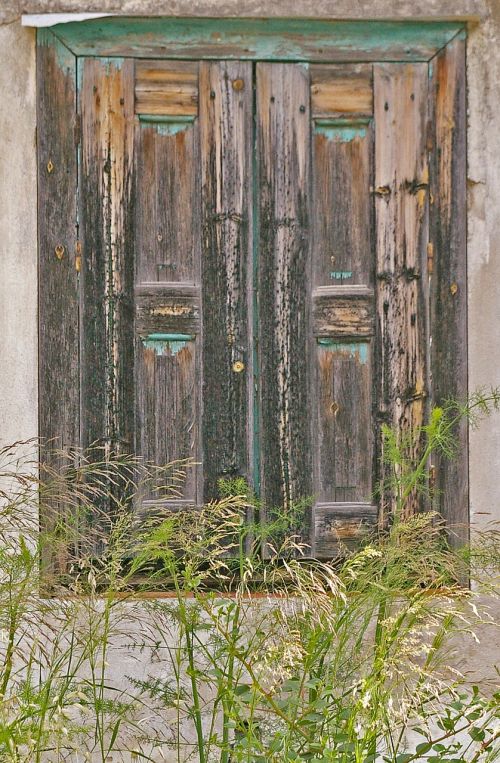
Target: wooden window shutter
258, 264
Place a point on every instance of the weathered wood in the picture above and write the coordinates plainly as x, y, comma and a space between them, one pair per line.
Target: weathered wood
165, 309
342, 221
226, 128
58, 366
107, 359
343, 315
401, 193
338, 526
345, 435
166, 88
341, 90
261, 39
448, 285
283, 151
167, 297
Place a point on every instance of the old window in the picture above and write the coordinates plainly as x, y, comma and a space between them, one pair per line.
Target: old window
252, 250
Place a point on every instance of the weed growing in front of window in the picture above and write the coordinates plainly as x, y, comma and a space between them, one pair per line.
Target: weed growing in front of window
239, 656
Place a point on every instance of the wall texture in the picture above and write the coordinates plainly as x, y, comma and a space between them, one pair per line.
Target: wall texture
18, 272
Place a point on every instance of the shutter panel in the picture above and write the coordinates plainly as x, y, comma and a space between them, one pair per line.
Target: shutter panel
284, 346
167, 272
59, 418
343, 306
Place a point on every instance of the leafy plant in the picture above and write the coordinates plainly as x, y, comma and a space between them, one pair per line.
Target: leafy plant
237, 657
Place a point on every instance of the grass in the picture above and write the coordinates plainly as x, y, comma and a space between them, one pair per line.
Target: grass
343, 661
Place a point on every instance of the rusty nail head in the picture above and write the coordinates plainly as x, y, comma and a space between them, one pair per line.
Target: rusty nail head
238, 367
238, 84
334, 408
50, 166
59, 251
454, 289
302, 109
212, 94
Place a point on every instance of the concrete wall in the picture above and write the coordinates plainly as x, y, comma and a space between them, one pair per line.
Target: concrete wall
18, 279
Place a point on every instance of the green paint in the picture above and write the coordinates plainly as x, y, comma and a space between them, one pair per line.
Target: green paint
263, 39
355, 350
65, 58
159, 342
341, 275
166, 125
340, 133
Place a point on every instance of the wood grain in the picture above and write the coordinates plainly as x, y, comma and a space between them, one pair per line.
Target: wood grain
448, 295
342, 207
226, 98
343, 315
167, 227
283, 146
106, 217
341, 90
58, 293
401, 193
345, 435
166, 88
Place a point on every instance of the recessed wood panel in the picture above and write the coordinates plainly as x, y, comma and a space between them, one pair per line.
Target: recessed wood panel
166, 88
342, 203
341, 90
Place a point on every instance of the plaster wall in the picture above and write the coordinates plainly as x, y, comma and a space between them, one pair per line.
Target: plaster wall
18, 250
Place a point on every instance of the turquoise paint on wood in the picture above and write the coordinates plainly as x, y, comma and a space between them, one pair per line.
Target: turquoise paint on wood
262, 39
355, 350
65, 58
341, 133
166, 125
160, 342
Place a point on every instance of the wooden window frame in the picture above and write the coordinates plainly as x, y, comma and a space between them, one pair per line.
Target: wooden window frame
440, 44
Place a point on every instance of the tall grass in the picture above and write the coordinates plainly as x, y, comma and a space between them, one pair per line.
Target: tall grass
238, 658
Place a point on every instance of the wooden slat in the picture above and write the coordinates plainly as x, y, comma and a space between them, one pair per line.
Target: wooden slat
283, 145
226, 97
58, 369
167, 231
449, 270
342, 222
166, 88
107, 109
341, 90
338, 526
401, 192
264, 39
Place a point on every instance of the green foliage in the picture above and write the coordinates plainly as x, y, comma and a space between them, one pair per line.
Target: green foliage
251, 659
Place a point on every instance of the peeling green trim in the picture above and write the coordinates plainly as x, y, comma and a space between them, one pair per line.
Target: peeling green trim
258, 39
159, 342
65, 58
165, 124
342, 134
341, 275
355, 350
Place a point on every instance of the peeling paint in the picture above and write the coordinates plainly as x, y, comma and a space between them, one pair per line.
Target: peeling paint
355, 350
341, 275
166, 125
340, 131
264, 39
160, 342
65, 59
